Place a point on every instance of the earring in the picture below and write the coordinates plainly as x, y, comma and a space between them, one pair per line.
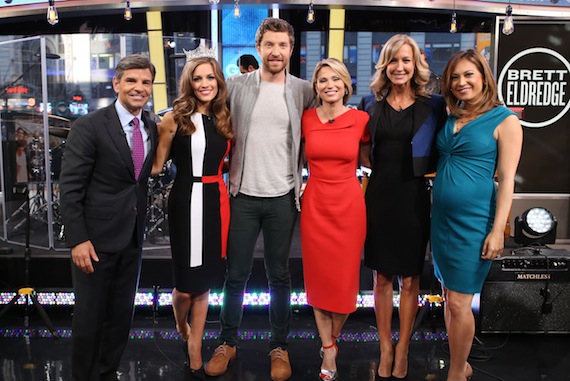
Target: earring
345, 91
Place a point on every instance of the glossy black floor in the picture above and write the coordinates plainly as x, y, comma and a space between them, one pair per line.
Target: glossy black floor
154, 350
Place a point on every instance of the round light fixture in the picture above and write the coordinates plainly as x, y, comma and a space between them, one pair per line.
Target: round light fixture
535, 226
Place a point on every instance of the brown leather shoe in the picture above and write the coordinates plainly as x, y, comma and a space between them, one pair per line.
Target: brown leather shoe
222, 356
280, 366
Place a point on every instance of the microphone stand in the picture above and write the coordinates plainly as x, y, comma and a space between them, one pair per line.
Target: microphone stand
27, 291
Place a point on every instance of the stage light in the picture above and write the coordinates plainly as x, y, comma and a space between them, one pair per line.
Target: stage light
52, 16
214, 2
453, 24
144, 298
508, 24
128, 15
237, 11
311, 13
535, 226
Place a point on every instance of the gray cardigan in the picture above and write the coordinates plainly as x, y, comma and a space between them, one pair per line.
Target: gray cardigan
243, 91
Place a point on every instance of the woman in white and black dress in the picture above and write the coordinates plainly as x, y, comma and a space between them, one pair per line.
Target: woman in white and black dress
196, 134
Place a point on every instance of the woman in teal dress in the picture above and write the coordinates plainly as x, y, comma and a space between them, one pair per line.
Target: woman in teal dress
480, 139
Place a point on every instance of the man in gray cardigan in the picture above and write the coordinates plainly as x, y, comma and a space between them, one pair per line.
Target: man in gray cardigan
265, 178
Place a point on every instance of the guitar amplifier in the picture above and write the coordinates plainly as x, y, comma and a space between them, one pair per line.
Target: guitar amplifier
527, 291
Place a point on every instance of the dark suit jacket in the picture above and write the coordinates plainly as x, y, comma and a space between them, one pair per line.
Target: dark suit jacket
101, 200
429, 117
366, 102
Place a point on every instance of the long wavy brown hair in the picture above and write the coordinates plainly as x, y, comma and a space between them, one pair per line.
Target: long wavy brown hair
489, 97
186, 104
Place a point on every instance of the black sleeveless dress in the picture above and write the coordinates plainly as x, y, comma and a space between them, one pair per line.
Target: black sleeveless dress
397, 202
198, 208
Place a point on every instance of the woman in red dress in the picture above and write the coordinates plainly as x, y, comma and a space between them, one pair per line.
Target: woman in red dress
333, 217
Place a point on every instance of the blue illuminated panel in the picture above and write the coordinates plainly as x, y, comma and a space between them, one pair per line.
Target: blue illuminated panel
238, 35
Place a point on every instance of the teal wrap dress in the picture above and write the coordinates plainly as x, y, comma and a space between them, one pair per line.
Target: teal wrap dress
464, 200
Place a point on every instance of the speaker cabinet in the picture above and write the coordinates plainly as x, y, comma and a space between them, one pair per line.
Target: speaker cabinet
527, 293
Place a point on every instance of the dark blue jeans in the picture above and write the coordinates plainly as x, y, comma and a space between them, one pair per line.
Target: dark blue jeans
276, 217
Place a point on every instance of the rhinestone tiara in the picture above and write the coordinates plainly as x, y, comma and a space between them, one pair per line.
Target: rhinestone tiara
200, 51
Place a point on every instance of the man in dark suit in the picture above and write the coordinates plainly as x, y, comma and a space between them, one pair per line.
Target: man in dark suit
103, 183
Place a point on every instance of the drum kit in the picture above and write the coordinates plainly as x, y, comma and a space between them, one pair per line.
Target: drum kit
35, 173
156, 231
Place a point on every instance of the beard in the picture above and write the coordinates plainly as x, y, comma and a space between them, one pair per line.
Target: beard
274, 69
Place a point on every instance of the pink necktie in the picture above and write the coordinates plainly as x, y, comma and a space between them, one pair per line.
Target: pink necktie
137, 148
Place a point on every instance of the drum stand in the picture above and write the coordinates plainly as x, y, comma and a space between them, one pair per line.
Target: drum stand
28, 291
36, 207
155, 214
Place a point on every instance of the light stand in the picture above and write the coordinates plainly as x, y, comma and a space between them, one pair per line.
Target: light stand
28, 291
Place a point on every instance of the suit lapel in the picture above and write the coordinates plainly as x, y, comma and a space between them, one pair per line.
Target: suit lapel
374, 112
118, 137
153, 134
421, 113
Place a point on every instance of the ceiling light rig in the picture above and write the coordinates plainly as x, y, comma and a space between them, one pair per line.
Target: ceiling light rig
52, 16
128, 14
453, 24
311, 13
508, 24
237, 11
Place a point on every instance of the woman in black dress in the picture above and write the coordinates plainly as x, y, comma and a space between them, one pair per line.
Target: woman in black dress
196, 134
403, 125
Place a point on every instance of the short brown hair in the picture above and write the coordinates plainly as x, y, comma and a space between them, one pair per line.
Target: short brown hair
272, 24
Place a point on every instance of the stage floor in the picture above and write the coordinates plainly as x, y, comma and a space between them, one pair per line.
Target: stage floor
154, 350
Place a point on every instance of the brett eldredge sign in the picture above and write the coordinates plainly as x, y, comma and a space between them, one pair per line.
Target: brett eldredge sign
536, 77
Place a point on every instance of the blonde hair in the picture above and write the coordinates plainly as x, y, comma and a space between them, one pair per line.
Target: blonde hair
489, 97
186, 104
339, 68
381, 84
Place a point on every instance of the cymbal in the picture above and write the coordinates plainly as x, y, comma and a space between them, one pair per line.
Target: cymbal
60, 132
51, 117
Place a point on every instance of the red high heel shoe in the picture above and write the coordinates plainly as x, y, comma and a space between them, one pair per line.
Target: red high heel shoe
328, 375
325, 374
322, 351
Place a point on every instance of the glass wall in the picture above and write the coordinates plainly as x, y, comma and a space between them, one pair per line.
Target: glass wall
30, 154
47, 83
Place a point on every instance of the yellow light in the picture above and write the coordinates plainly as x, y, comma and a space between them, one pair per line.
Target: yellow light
237, 11
52, 16
453, 25
128, 15
508, 24
311, 16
